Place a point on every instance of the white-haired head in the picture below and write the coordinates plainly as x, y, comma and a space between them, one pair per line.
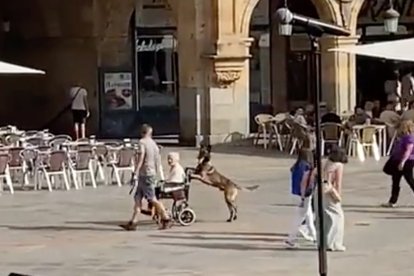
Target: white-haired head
174, 157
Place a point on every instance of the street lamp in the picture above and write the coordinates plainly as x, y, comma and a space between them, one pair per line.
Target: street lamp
285, 18
391, 17
315, 29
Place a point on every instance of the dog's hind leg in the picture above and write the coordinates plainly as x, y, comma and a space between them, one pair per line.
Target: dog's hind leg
229, 197
234, 205
234, 211
230, 207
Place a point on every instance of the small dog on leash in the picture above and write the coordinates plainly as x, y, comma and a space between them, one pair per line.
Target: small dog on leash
207, 174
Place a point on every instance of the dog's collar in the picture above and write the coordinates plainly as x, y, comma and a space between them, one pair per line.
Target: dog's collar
211, 169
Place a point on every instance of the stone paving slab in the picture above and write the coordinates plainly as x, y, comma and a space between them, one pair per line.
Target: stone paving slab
74, 233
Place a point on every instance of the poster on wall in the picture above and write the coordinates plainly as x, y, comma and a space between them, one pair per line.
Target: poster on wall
118, 91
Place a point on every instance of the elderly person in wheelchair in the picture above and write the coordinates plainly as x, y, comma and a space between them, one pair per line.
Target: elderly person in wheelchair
175, 186
176, 174
176, 177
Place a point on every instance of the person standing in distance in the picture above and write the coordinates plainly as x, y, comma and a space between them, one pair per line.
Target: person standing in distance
80, 110
145, 175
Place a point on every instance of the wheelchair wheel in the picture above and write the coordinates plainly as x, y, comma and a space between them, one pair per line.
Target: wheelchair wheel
177, 208
186, 217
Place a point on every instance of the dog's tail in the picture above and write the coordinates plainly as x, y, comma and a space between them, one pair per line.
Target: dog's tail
248, 189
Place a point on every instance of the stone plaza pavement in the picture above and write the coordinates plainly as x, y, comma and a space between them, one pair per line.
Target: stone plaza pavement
74, 233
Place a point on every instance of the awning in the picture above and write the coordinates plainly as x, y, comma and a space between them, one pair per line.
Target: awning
402, 50
8, 68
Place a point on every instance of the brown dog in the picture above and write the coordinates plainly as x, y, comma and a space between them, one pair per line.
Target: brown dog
207, 174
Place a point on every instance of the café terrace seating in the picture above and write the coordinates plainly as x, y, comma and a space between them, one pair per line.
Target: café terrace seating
37, 160
282, 132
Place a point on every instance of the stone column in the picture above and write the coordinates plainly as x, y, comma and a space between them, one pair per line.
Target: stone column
279, 73
191, 65
213, 63
228, 98
338, 73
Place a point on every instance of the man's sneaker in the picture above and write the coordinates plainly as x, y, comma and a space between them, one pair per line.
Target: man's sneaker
338, 249
388, 205
291, 244
130, 226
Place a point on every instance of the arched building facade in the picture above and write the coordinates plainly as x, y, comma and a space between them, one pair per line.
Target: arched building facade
184, 66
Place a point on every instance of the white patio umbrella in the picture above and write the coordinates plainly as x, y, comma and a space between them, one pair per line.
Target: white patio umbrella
402, 50
8, 68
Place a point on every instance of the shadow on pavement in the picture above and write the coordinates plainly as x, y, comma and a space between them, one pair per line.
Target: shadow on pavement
57, 228
115, 223
227, 238
353, 207
235, 246
400, 217
231, 233
389, 212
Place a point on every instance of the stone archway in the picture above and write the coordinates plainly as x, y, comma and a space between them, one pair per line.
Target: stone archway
355, 9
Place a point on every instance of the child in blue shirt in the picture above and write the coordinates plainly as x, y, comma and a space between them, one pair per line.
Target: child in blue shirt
302, 187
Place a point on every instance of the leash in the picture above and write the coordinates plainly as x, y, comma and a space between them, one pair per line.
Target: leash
133, 183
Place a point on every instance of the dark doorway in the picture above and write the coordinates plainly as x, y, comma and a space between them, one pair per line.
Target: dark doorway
157, 79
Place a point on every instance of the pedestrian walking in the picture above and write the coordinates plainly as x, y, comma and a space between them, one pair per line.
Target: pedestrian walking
334, 222
401, 162
80, 110
147, 167
302, 187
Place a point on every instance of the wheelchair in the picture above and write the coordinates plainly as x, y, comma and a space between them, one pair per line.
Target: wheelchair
181, 211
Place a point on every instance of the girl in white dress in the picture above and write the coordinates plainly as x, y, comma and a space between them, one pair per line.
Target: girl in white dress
334, 215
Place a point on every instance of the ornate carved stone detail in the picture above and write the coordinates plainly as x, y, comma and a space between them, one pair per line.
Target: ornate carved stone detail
230, 59
226, 78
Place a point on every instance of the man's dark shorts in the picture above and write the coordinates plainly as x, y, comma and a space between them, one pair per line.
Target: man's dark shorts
79, 116
145, 188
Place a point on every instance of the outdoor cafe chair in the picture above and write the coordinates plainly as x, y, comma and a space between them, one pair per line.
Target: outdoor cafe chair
100, 161
16, 164
280, 117
113, 150
332, 133
55, 166
30, 133
30, 165
5, 172
58, 141
365, 137
263, 122
299, 134
277, 130
6, 129
124, 162
81, 167
12, 140
83, 146
83, 141
34, 141
392, 142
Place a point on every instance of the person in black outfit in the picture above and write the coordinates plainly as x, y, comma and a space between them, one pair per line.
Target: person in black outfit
401, 162
331, 117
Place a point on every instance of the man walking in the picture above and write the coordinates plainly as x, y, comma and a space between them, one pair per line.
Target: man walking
80, 110
147, 166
